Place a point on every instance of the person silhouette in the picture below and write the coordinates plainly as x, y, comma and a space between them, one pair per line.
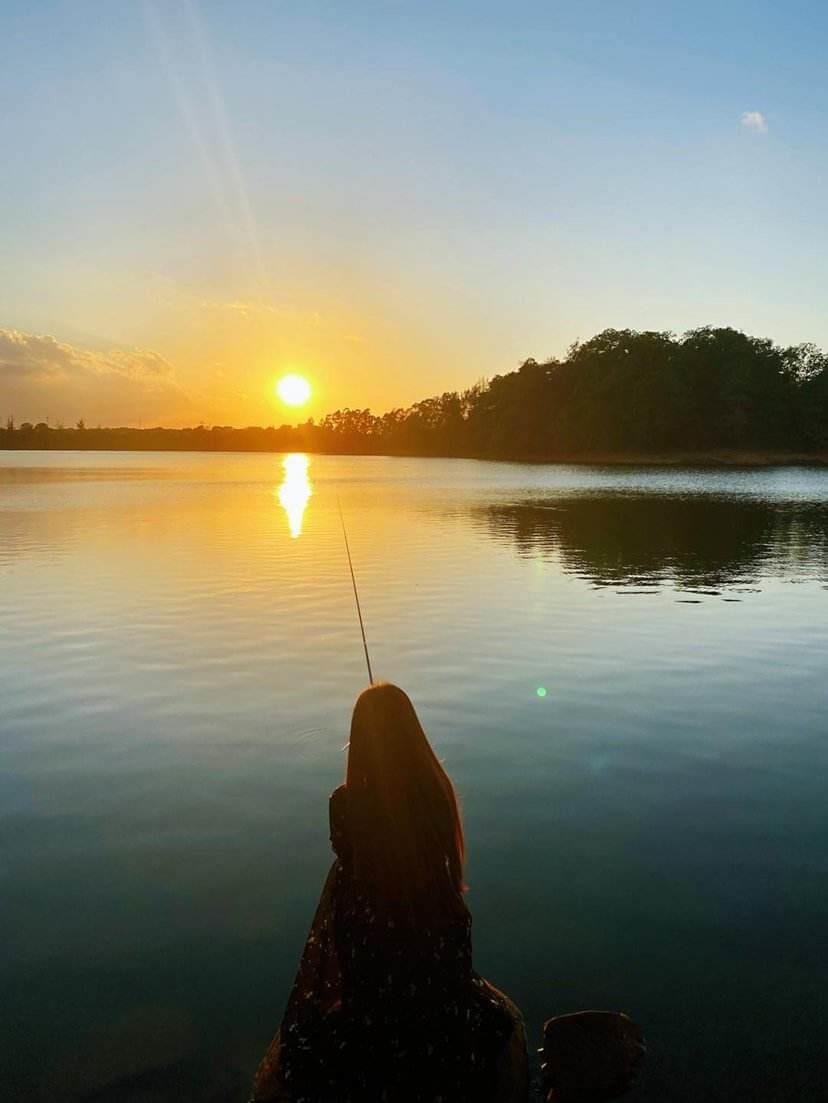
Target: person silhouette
386, 1005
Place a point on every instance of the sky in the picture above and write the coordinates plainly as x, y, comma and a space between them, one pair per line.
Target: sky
394, 199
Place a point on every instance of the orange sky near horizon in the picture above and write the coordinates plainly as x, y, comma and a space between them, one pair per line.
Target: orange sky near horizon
184, 358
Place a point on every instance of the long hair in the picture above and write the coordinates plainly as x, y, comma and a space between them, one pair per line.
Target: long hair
406, 834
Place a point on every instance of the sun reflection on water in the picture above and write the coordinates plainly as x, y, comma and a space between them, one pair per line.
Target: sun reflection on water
295, 490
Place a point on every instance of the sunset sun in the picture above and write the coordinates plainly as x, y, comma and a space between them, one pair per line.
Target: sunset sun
293, 390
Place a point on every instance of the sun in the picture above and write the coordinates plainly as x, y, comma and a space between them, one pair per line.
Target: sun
293, 390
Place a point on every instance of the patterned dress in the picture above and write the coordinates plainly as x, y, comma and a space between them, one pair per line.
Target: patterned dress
386, 1008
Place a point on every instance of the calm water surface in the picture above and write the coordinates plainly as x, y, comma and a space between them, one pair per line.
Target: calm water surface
178, 659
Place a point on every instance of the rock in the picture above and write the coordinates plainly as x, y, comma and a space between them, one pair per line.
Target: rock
590, 1056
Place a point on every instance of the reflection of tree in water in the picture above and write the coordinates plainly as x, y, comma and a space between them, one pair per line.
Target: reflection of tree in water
694, 541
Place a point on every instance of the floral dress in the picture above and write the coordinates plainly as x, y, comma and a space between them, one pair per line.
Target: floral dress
385, 1009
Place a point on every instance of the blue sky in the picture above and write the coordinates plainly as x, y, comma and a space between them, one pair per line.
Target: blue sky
395, 198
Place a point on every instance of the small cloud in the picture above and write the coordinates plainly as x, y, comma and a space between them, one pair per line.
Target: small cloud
41, 375
755, 121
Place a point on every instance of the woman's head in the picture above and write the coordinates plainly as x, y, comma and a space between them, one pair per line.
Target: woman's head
408, 839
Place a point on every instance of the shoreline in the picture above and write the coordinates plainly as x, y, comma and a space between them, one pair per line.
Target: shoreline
711, 458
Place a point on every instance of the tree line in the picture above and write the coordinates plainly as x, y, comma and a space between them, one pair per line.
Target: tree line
200, 438
622, 391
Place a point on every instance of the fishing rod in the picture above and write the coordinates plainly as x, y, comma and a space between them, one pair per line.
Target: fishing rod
356, 593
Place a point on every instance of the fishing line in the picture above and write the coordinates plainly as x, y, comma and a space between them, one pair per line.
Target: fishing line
356, 593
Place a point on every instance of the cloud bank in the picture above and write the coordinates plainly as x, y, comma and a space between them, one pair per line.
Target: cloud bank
41, 377
755, 121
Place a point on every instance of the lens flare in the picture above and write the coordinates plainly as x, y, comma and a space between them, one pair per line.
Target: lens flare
541, 691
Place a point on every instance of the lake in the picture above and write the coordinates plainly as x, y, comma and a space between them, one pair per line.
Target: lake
623, 669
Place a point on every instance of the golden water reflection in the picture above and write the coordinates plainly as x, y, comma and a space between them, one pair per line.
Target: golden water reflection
295, 490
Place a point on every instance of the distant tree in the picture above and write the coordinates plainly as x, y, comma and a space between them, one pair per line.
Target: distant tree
621, 391
805, 362
742, 393
812, 393
80, 424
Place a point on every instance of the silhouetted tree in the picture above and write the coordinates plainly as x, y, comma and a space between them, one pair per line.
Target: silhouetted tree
622, 391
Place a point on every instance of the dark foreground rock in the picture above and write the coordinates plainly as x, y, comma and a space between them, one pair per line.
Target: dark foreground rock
590, 1056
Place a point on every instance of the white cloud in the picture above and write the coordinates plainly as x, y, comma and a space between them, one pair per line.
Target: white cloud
755, 121
42, 377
